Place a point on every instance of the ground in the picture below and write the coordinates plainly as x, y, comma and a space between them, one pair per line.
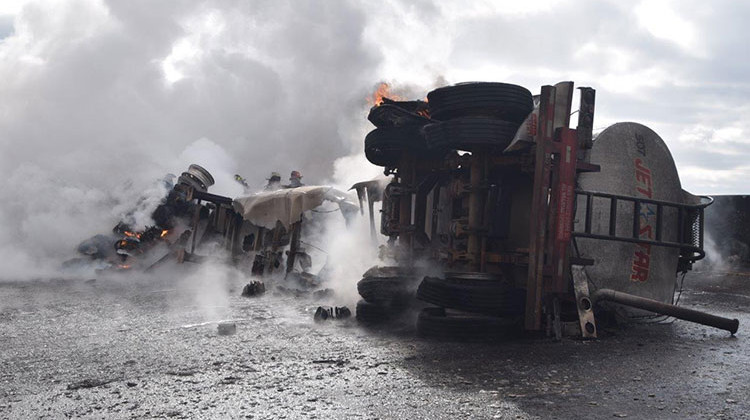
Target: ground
143, 348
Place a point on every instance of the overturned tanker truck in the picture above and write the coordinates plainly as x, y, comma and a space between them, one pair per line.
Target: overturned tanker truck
504, 218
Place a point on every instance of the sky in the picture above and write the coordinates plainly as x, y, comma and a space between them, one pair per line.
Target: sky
100, 98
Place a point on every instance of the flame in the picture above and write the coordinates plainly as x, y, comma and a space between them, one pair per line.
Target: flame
425, 113
163, 233
124, 266
383, 91
132, 234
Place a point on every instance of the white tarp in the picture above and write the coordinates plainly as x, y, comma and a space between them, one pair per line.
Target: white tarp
285, 205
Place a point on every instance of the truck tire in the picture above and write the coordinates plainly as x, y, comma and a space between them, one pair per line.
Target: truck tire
500, 100
384, 146
387, 291
470, 133
482, 296
374, 314
435, 323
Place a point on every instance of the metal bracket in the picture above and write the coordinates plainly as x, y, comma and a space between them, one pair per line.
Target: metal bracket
583, 302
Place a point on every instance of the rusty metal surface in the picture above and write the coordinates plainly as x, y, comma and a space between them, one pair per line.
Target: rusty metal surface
539, 212
586, 119
563, 199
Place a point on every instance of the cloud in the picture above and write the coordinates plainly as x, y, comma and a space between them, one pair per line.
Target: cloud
6, 26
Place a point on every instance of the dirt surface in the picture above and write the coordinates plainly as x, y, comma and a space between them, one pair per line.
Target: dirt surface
145, 348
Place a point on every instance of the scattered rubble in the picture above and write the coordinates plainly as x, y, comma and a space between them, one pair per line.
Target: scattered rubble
324, 313
254, 288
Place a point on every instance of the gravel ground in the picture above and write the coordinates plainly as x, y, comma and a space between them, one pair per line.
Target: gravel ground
149, 348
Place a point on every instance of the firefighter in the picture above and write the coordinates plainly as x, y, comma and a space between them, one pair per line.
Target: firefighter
274, 182
295, 180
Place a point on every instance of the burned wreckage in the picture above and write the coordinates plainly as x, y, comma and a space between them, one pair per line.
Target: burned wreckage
504, 219
496, 214
257, 232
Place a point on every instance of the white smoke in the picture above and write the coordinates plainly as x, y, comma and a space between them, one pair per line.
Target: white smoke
102, 99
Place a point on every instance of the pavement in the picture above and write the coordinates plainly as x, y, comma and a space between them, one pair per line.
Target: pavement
137, 347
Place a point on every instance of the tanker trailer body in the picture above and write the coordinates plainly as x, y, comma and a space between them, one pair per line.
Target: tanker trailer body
498, 211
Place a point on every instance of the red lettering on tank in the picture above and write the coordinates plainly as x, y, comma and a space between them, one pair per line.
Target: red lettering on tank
642, 255
641, 263
643, 177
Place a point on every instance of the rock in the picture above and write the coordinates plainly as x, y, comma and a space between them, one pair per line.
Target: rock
227, 328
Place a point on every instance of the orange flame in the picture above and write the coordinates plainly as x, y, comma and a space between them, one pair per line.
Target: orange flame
163, 233
132, 234
383, 91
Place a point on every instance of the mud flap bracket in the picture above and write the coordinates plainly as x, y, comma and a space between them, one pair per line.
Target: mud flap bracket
583, 302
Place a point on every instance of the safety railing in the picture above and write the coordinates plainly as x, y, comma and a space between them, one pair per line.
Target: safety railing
689, 223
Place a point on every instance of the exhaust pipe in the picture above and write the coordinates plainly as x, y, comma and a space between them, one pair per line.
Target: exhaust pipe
679, 312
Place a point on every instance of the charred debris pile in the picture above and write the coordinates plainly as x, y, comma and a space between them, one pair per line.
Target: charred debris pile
497, 218
263, 234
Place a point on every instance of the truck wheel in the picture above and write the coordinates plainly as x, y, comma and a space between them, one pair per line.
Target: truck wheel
384, 146
500, 100
387, 291
435, 323
470, 133
483, 296
373, 314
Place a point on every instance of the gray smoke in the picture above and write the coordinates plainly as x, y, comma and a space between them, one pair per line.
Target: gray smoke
100, 99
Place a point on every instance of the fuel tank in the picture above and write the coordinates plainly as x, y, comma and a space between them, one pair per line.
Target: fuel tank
634, 162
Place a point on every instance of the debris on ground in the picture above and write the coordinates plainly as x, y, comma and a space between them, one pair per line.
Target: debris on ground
254, 288
324, 313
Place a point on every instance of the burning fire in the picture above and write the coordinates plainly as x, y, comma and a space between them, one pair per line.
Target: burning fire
132, 234
383, 91
163, 233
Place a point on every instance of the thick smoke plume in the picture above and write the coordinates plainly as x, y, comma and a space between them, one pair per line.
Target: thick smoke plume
102, 99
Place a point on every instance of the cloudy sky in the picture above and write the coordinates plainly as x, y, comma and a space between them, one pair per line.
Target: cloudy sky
101, 96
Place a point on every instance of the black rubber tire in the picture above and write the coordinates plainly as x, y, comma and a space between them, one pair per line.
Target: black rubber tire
502, 100
387, 291
384, 146
435, 323
373, 314
489, 297
389, 271
470, 133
